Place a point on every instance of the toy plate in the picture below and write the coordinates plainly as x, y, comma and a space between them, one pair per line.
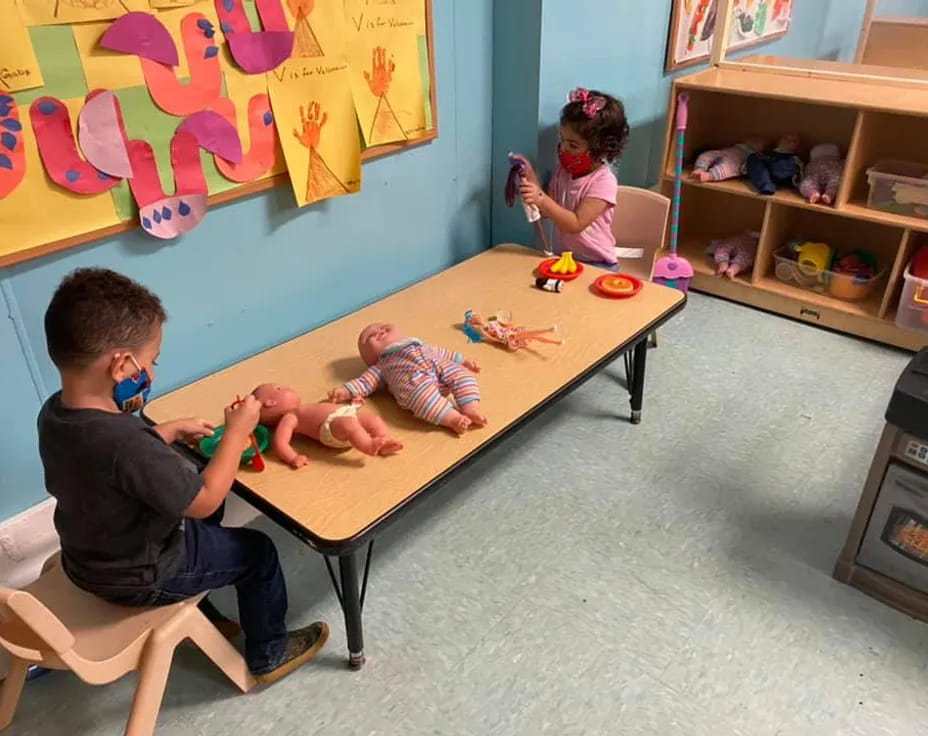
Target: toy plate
618, 285
544, 269
208, 444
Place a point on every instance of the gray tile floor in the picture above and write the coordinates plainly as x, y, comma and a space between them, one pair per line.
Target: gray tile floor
589, 577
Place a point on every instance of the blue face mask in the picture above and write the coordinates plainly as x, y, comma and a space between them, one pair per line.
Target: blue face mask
131, 393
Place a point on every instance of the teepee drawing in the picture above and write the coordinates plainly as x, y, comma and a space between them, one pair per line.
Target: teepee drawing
306, 44
321, 182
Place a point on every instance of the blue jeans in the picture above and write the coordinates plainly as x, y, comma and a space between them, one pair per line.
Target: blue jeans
246, 558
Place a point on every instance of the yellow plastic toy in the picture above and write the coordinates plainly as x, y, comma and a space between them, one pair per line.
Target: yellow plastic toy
814, 259
566, 264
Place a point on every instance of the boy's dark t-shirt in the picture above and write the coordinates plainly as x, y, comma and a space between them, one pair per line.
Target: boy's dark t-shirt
121, 493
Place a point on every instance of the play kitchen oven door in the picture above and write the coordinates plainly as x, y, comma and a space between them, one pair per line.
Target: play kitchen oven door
896, 541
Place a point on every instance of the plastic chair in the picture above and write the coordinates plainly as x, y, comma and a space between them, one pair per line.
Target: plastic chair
639, 224
54, 624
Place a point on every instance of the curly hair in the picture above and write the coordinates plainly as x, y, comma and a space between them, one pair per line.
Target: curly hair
606, 132
95, 310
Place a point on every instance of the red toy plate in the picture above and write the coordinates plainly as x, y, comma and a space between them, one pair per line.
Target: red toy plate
544, 269
618, 285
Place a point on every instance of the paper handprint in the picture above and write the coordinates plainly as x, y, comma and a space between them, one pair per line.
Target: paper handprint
321, 182
385, 126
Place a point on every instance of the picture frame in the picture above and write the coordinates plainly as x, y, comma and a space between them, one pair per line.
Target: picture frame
692, 26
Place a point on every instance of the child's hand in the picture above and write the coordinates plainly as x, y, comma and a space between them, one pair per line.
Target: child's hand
242, 418
529, 172
471, 365
531, 193
185, 430
340, 395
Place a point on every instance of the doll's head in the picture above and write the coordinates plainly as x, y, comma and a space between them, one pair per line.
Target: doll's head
789, 143
376, 338
824, 151
276, 400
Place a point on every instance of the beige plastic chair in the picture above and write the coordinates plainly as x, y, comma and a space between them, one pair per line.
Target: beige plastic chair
54, 624
639, 223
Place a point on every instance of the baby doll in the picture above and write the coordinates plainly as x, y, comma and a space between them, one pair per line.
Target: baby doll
501, 330
735, 255
418, 376
727, 163
334, 426
823, 175
780, 168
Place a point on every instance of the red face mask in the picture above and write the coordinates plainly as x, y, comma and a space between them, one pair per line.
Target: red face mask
576, 164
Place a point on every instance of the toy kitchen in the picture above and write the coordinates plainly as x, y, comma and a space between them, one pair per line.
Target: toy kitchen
886, 553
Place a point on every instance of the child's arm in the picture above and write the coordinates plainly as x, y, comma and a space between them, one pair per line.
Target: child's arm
360, 388
282, 447
184, 430
219, 473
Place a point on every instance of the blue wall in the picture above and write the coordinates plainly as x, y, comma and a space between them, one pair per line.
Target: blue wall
257, 272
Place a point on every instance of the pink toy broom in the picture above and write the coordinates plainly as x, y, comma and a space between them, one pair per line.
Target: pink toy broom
674, 270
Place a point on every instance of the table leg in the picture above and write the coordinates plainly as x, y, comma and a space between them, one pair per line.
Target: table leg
351, 603
637, 388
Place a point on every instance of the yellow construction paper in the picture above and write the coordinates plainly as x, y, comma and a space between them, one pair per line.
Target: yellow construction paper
383, 56
19, 69
240, 88
54, 12
105, 69
160, 4
39, 212
314, 112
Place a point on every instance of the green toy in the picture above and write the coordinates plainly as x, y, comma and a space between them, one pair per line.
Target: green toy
262, 435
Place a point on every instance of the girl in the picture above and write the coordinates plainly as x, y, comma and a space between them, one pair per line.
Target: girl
582, 195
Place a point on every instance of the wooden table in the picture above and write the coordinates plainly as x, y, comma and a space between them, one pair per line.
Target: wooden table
340, 501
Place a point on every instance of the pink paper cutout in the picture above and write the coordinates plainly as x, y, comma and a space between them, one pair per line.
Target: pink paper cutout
54, 135
256, 51
101, 134
205, 84
12, 146
214, 133
262, 154
142, 35
167, 216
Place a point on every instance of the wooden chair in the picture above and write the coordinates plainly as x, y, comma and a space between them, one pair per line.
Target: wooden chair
54, 624
640, 226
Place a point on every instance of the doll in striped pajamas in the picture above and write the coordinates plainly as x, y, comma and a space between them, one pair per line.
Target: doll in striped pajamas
420, 377
726, 163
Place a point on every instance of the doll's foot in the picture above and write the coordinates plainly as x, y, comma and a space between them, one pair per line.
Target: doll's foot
298, 462
472, 412
815, 198
384, 446
826, 199
703, 176
733, 272
456, 422
722, 269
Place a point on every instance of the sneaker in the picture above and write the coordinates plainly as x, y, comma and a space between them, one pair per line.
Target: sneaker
302, 645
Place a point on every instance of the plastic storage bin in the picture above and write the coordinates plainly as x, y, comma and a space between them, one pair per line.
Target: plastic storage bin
839, 285
913, 306
899, 187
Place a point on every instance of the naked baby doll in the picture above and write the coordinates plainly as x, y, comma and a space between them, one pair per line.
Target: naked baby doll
735, 255
726, 163
334, 426
782, 167
420, 377
823, 175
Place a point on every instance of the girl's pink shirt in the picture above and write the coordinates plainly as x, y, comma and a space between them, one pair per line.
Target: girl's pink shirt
596, 244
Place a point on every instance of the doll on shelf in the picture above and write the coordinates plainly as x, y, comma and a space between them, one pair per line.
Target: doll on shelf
823, 175
725, 163
736, 255
782, 167
420, 377
501, 330
338, 427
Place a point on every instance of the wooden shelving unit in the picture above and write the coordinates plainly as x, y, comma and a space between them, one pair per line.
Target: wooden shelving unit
868, 120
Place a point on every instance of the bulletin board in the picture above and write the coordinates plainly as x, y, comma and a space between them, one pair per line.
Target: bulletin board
143, 114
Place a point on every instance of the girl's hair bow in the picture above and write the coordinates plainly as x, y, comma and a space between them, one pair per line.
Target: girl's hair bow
592, 104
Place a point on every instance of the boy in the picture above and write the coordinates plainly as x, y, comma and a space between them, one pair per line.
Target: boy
138, 525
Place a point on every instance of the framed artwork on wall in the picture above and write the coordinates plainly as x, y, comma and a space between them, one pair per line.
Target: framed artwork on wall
692, 24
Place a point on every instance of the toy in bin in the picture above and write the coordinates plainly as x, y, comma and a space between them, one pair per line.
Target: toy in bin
913, 305
804, 263
500, 329
853, 276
